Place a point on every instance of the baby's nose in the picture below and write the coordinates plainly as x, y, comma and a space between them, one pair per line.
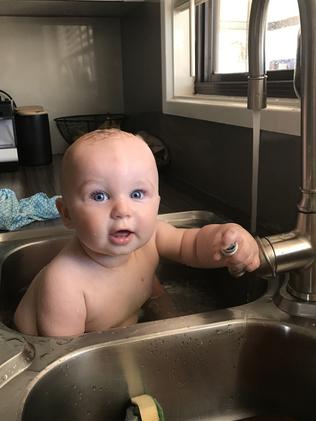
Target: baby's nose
120, 208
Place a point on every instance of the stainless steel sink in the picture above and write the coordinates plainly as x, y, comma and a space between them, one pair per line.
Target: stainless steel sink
191, 290
224, 371
230, 354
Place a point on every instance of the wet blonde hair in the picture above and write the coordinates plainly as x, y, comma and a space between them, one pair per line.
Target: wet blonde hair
103, 134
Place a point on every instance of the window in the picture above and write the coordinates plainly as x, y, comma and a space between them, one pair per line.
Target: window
218, 91
222, 47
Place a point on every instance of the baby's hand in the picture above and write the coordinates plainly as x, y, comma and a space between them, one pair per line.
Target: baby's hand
237, 249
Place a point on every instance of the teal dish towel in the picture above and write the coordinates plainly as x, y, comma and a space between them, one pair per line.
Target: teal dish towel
15, 213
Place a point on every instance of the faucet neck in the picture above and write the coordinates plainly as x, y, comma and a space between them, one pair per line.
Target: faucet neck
257, 85
256, 38
308, 99
303, 277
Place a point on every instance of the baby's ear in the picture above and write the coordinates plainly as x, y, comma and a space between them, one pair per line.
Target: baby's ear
63, 212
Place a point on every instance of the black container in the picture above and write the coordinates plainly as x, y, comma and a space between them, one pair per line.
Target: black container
33, 138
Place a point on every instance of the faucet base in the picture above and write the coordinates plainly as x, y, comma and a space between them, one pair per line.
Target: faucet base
294, 306
304, 296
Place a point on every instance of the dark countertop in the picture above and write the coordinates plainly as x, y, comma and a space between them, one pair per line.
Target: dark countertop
26, 181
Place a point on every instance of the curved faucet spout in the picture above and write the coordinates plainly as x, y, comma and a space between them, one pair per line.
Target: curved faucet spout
302, 283
257, 71
257, 87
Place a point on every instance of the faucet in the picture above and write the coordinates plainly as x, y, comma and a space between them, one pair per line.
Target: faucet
293, 252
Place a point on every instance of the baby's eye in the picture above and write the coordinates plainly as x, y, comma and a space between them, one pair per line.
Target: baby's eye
99, 196
137, 194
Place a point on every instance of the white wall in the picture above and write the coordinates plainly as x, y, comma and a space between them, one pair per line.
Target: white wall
69, 65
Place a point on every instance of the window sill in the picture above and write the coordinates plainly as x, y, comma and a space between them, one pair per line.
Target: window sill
281, 115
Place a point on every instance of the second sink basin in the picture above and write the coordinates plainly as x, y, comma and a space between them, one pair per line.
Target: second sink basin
227, 371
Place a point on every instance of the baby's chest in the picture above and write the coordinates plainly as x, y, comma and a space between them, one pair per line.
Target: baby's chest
120, 291
135, 281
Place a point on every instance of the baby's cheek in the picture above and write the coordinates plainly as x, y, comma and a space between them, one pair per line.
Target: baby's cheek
90, 225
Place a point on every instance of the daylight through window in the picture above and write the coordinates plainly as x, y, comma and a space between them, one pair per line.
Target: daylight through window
222, 47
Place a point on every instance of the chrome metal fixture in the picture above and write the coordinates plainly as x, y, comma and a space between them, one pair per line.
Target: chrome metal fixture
294, 251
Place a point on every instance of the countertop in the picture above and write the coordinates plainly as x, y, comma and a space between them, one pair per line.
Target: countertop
26, 181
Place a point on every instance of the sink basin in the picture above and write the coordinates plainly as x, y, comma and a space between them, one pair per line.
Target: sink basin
234, 370
94, 375
191, 290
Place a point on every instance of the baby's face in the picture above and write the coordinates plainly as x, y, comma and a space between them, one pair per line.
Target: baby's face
111, 195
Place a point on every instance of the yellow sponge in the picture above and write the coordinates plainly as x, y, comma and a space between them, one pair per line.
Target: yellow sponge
147, 407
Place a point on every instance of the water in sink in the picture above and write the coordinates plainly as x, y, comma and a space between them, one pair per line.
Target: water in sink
191, 290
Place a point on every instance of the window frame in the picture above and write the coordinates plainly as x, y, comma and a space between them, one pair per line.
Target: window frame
207, 82
282, 115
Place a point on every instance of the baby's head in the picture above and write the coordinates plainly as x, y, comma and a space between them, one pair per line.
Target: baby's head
111, 149
109, 181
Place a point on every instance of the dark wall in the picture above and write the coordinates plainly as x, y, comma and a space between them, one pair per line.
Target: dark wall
141, 57
216, 159
211, 158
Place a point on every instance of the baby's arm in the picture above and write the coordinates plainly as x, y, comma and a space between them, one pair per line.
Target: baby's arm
201, 247
60, 307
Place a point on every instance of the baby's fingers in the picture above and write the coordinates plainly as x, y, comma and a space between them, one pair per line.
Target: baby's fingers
237, 270
230, 236
253, 264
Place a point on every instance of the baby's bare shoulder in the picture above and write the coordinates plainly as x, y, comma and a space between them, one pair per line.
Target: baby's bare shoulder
60, 302
61, 273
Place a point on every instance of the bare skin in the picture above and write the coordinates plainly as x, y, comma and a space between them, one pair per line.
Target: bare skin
106, 272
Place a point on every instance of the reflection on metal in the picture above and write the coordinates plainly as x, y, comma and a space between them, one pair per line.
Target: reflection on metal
236, 361
16, 355
294, 251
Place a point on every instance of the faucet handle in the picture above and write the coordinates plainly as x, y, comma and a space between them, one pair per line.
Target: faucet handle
235, 270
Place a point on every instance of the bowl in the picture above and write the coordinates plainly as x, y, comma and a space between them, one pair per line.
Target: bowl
73, 127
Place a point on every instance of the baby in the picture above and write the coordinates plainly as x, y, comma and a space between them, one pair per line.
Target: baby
106, 272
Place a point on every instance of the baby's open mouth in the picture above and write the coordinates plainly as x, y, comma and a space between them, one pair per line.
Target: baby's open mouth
122, 233
121, 237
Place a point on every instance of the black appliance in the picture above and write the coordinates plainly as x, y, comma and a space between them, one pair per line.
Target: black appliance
8, 149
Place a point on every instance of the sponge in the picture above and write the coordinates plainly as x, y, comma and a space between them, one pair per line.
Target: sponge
144, 408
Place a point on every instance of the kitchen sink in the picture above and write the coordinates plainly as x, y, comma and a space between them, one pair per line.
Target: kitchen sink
225, 352
233, 370
191, 290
